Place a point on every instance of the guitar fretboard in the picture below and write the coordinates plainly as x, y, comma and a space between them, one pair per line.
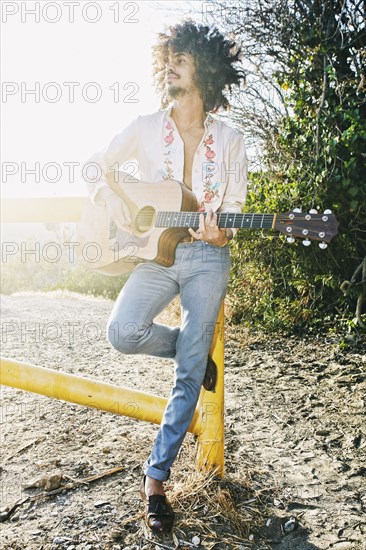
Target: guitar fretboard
224, 219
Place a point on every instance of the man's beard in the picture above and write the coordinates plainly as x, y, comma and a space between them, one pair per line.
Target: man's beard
175, 91
178, 91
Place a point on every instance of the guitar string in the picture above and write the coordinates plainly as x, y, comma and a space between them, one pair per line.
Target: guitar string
172, 217
280, 216
227, 219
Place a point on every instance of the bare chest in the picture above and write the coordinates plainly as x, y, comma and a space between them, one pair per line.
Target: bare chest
191, 142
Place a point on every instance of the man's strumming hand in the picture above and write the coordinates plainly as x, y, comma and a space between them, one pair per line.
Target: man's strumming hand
117, 209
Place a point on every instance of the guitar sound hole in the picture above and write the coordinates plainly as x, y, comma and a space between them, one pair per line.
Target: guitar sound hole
145, 219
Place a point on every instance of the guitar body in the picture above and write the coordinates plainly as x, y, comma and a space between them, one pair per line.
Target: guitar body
111, 251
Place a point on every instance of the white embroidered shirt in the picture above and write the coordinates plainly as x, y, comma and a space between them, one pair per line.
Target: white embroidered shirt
152, 145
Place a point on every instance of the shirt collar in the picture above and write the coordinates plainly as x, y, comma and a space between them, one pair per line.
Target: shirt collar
208, 120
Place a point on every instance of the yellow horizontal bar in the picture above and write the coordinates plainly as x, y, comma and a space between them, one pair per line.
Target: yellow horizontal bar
84, 391
41, 209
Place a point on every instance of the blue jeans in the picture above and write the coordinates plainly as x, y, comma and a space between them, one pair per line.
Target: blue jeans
200, 274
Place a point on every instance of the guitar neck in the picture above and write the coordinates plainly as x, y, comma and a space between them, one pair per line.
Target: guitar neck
224, 219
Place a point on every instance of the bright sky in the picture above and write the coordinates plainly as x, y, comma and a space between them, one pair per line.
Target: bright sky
110, 57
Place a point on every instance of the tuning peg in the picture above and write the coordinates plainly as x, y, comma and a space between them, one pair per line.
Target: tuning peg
306, 242
298, 210
323, 245
290, 240
327, 211
313, 211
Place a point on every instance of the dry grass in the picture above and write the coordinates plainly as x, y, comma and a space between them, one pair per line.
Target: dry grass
208, 505
221, 512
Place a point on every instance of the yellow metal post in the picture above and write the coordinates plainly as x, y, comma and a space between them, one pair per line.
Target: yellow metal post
210, 451
208, 420
207, 423
84, 391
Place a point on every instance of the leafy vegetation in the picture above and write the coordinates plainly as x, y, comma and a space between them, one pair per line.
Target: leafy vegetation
313, 156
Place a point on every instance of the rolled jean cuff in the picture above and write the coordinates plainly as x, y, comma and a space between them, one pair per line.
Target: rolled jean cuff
155, 473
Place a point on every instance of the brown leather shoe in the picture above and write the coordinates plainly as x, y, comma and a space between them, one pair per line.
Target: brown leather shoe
210, 379
159, 515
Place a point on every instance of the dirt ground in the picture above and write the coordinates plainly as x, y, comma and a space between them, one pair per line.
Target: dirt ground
295, 442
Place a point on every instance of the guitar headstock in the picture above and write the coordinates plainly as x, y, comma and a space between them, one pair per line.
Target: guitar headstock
310, 226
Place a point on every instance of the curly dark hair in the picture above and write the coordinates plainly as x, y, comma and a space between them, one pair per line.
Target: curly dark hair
213, 56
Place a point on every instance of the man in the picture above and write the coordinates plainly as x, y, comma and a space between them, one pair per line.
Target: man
193, 65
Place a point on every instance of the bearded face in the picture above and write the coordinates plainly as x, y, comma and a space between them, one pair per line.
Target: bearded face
180, 71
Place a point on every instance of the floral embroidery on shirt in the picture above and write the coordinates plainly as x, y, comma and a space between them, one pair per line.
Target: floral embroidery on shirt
209, 140
210, 188
169, 140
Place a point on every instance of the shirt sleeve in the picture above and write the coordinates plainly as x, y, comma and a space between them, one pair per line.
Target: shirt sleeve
122, 148
237, 178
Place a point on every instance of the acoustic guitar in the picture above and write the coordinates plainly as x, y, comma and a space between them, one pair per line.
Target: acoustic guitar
161, 215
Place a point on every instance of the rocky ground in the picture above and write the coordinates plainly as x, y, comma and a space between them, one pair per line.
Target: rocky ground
295, 474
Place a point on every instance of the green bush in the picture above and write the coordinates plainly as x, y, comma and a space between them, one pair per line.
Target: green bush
313, 157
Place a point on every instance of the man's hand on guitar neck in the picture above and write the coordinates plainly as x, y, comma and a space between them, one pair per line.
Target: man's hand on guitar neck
116, 208
209, 231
